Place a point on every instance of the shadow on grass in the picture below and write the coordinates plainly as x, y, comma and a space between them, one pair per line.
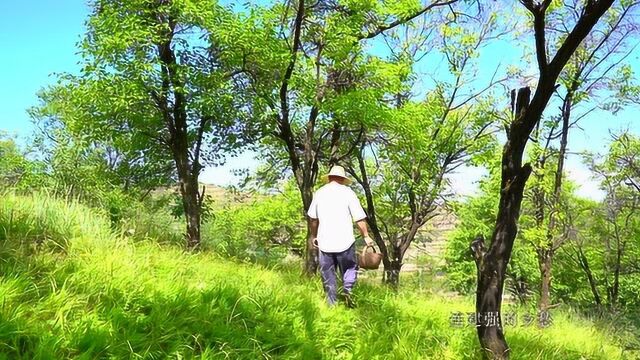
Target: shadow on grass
220, 321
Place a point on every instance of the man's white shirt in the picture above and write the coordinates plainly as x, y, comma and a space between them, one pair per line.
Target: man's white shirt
336, 207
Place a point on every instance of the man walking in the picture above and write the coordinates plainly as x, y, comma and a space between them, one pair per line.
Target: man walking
331, 213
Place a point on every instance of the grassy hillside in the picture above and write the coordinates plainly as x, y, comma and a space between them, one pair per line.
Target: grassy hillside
69, 288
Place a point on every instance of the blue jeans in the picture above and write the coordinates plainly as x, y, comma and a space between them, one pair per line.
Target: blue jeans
345, 262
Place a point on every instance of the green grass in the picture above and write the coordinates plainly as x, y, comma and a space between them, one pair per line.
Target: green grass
85, 293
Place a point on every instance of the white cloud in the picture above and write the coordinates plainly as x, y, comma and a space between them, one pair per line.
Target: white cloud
588, 187
465, 181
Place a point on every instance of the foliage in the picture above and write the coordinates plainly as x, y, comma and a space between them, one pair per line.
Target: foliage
82, 164
264, 229
599, 72
596, 233
404, 161
80, 173
476, 217
604, 249
17, 170
621, 166
422, 145
151, 220
619, 229
154, 89
90, 266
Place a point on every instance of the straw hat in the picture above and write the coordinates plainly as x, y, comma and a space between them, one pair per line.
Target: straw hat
339, 172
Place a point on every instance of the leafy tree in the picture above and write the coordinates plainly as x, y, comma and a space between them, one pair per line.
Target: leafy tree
153, 86
12, 162
16, 169
592, 75
491, 262
622, 162
476, 215
422, 143
87, 167
415, 154
577, 258
73, 169
599, 261
617, 225
315, 82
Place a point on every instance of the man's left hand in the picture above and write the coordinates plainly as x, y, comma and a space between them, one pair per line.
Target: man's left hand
369, 241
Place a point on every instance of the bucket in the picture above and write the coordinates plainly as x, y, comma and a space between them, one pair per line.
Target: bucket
369, 260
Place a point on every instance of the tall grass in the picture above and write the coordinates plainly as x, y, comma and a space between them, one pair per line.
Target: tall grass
156, 224
39, 220
130, 300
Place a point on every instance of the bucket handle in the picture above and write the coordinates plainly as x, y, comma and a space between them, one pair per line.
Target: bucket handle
364, 249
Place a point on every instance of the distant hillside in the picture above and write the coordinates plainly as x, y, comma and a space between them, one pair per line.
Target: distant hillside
220, 196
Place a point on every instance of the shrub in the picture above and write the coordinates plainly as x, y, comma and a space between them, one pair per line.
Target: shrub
264, 229
151, 220
477, 216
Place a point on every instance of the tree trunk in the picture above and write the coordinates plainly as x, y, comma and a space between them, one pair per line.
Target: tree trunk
392, 268
311, 252
491, 276
176, 123
545, 254
191, 202
188, 185
545, 261
492, 264
539, 200
615, 289
372, 220
305, 167
311, 255
584, 264
188, 177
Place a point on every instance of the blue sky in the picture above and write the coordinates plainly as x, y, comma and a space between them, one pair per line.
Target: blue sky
39, 39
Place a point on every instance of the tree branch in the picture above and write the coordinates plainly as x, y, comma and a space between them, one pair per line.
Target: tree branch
403, 20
